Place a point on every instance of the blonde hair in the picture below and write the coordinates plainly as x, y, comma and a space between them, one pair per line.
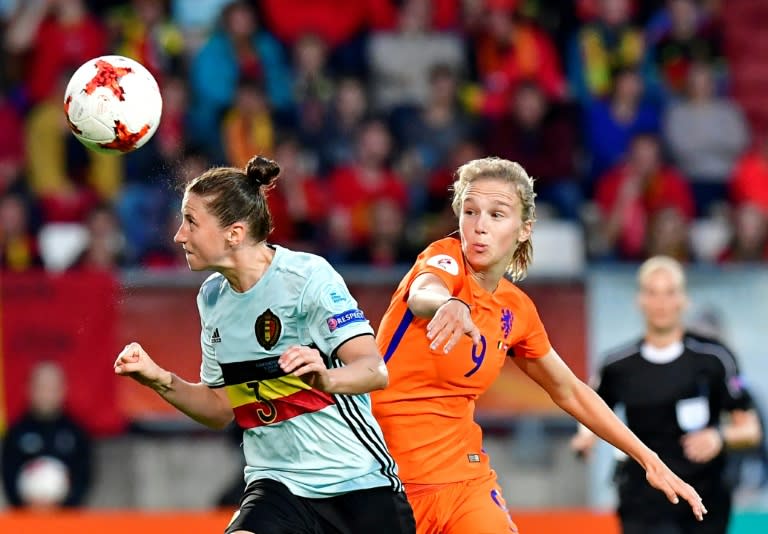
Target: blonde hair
512, 173
661, 263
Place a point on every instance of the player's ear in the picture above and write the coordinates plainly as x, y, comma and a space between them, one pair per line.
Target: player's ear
525, 231
236, 234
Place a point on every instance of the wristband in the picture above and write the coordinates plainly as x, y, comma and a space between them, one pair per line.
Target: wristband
457, 299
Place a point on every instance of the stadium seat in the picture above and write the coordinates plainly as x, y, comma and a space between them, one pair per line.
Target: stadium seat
61, 243
558, 249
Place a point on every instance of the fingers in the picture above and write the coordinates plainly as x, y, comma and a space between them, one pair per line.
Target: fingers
295, 357
131, 354
474, 333
452, 341
306, 369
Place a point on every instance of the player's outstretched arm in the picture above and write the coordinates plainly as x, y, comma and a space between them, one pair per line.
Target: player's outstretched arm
584, 404
207, 406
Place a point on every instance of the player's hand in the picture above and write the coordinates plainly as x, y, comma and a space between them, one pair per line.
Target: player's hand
663, 479
582, 443
307, 364
703, 445
133, 361
451, 321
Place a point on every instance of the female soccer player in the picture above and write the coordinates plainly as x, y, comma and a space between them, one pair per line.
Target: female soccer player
451, 324
289, 355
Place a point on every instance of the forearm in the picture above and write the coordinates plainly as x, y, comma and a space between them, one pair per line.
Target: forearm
360, 376
743, 431
197, 401
425, 302
590, 410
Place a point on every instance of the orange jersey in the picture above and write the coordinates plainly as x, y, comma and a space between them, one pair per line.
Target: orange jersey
427, 411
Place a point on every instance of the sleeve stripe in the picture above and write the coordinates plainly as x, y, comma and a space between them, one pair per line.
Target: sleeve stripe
720, 352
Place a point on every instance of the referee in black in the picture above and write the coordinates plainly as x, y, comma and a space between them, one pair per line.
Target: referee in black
676, 387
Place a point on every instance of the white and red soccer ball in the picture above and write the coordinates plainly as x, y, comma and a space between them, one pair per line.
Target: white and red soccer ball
113, 104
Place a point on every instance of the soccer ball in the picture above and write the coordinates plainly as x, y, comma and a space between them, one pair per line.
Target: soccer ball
43, 481
113, 104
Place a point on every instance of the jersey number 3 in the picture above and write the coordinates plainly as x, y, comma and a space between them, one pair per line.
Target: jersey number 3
268, 413
477, 358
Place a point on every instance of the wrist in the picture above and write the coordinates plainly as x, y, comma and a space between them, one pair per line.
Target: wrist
457, 299
164, 382
721, 434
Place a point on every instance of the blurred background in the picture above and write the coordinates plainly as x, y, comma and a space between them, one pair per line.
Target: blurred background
645, 124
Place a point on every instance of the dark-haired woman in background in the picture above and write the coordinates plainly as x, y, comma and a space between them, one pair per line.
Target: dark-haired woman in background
289, 355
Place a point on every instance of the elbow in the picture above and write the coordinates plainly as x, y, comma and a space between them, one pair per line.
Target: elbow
382, 376
221, 422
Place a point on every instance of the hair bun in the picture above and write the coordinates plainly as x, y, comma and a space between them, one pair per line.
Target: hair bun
262, 170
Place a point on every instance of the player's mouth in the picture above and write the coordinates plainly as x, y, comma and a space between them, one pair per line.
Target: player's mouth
479, 248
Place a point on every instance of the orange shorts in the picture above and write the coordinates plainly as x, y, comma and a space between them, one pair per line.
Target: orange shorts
474, 506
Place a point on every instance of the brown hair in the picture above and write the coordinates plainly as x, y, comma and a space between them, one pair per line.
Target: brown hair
239, 194
512, 173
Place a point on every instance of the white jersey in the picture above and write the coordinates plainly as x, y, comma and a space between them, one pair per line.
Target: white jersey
317, 444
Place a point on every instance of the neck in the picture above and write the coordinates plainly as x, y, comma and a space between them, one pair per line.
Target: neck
663, 337
249, 263
487, 279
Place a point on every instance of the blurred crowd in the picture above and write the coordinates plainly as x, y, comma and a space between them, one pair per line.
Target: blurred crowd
622, 110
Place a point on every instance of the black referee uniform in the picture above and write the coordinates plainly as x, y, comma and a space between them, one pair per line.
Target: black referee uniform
667, 393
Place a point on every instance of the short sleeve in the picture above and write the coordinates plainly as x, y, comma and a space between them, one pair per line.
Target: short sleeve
730, 384
210, 370
533, 341
331, 313
603, 385
443, 259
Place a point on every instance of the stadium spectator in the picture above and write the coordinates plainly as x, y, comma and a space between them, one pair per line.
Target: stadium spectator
675, 387
749, 182
46, 432
18, 244
105, 249
432, 130
705, 135
749, 235
682, 34
401, 60
604, 46
343, 24
313, 86
143, 31
239, 50
542, 138
59, 36
12, 155
299, 202
335, 144
632, 194
611, 123
329, 469
507, 51
388, 245
454, 319
248, 128
354, 188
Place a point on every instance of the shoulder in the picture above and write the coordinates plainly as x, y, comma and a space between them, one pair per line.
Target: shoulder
444, 254
706, 346
210, 290
302, 265
621, 353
